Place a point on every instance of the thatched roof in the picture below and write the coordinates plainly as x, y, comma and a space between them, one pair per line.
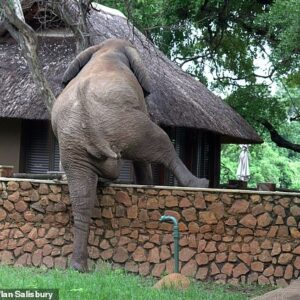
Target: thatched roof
177, 98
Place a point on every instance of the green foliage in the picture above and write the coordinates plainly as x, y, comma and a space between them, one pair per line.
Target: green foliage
227, 35
255, 103
222, 39
117, 284
9, 2
267, 164
283, 25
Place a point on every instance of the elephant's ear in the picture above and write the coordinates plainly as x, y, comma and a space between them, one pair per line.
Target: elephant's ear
138, 69
78, 63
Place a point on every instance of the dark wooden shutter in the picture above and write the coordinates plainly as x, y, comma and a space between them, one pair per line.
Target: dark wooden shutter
157, 173
180, 146
214, 165
36, 147
178, 137
40, 147
202, 161
55, 156
169, 176
126, 172
193, 148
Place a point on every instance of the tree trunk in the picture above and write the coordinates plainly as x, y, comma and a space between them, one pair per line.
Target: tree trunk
25, 35
278, 139
74, 14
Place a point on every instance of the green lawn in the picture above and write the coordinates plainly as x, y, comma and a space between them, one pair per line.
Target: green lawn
115, 284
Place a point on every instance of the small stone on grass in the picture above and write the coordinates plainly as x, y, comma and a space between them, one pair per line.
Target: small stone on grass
174, 280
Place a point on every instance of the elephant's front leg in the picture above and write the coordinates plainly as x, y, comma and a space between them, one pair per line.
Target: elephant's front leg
82, 186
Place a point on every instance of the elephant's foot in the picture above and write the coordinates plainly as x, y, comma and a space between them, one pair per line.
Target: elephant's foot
79, 266
198, 182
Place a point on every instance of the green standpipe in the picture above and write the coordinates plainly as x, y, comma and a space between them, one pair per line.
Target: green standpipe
176, 236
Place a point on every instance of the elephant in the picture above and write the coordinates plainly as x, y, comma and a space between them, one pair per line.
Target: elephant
101, 117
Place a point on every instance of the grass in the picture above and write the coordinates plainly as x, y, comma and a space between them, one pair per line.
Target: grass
106, 283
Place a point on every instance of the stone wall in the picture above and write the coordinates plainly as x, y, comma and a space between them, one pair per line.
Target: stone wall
232, 236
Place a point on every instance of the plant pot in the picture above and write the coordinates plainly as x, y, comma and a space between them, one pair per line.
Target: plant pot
266, 186
6, 171
237, 184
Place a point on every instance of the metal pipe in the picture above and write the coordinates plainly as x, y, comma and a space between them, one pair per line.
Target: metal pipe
45, 176
176, 237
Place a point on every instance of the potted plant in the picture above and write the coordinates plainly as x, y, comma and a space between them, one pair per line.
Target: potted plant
6, 171
266, 186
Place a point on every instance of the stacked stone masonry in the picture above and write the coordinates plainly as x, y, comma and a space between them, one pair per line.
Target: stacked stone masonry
226, 236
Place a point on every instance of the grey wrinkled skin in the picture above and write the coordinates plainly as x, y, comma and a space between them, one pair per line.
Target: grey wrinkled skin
101, 117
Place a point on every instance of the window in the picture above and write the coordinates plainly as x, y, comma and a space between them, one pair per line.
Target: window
40, 151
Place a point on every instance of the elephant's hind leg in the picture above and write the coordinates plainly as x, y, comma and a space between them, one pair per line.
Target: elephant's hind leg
82, 186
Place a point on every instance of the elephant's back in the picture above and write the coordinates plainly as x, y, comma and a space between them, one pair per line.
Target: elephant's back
111, 90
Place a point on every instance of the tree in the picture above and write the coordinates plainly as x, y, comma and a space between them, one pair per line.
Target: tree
72, 12
221, 42
15, 23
